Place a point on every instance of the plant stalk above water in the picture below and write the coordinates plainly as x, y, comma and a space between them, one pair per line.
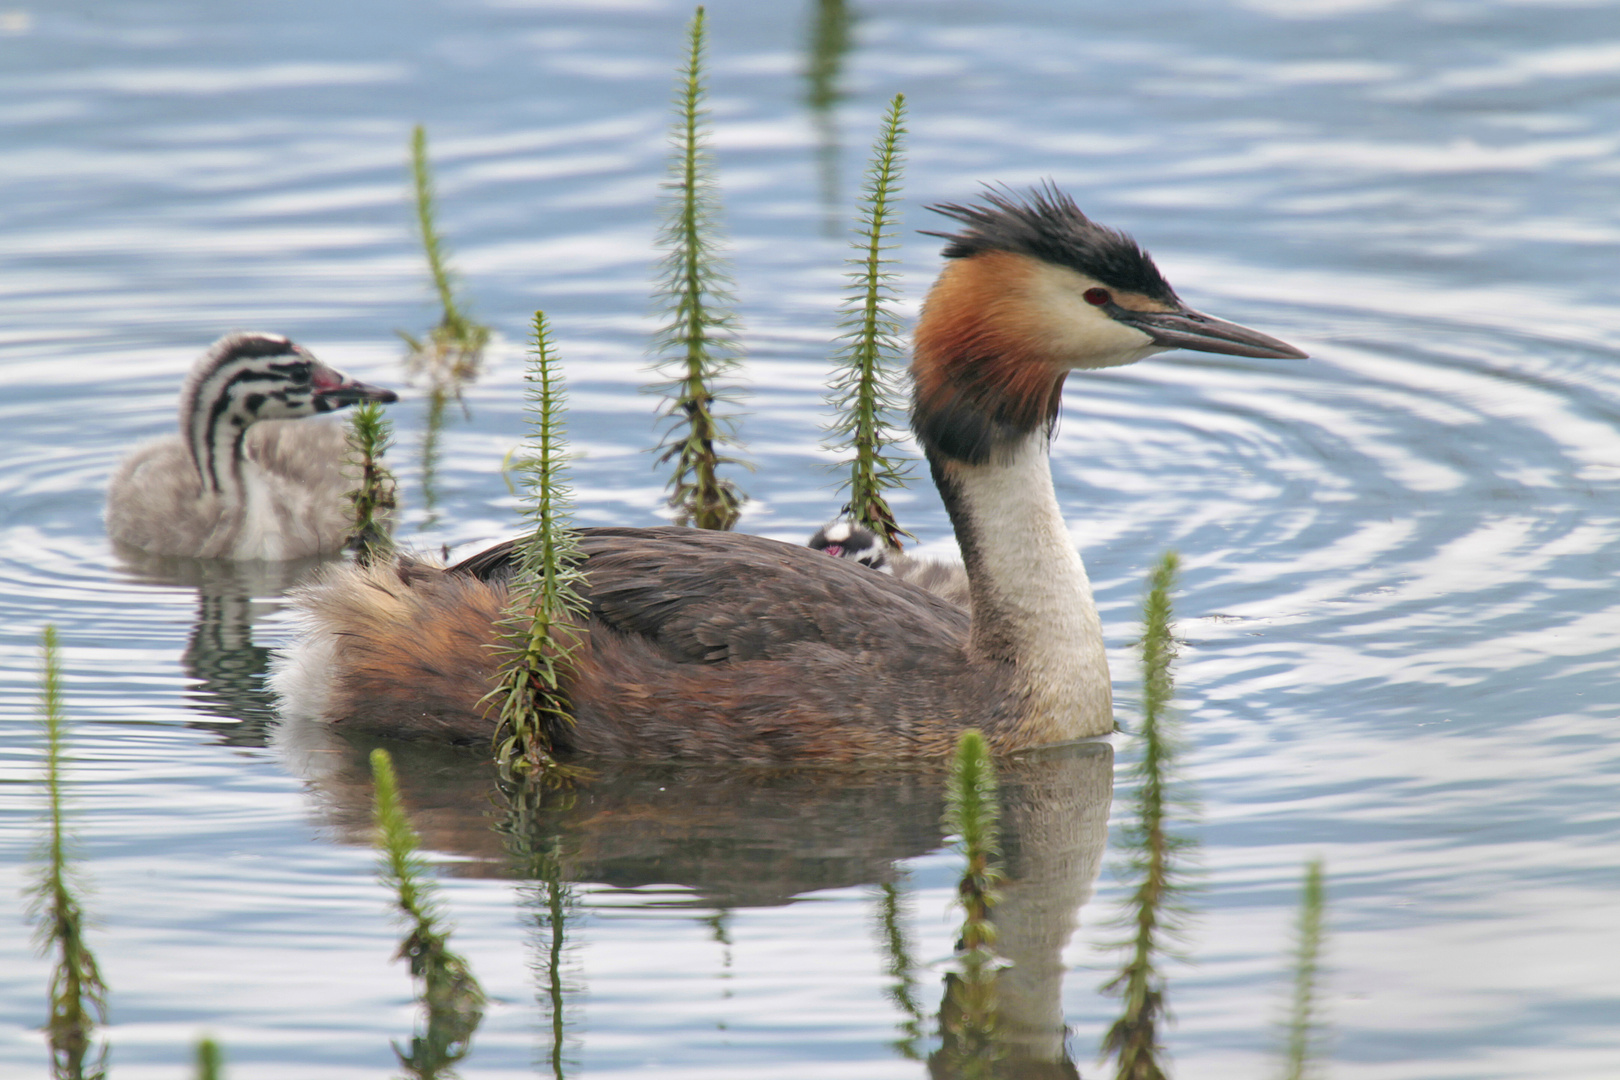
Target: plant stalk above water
545, 613
369, 438
864, 393
78, 997
450, 996
698, 345
1155, 854
1304, 1028
210, 1060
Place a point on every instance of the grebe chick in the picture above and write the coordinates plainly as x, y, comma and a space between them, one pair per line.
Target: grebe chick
241, 480
713, 645
843, 539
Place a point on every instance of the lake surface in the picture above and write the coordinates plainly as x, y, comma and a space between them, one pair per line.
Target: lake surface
1399, 607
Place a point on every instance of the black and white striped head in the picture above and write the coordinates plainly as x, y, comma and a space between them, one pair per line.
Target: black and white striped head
843, 539
247, 377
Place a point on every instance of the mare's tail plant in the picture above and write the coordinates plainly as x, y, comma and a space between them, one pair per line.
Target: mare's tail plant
450, 996
545, 613
78, 997
697, 347
864, 393
210, 1060
900, 967
1155, 854
1303, 1034
829, 42
369, 438
968, 1017
453, 349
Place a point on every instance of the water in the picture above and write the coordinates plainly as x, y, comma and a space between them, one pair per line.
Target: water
1397, 604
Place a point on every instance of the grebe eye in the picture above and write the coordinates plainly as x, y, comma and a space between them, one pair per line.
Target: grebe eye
1098, 297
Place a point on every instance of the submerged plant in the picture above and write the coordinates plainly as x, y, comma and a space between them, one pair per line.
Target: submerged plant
369, 438
1303, 1034
451, 998
1155, 854
78, 997
864, 393
698, 345
968, 1017
545, 612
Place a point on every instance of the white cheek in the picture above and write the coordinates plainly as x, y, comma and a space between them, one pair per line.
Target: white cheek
1078, 334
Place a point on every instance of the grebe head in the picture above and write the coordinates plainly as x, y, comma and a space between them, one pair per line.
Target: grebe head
247, 377
1034, 289
843, 539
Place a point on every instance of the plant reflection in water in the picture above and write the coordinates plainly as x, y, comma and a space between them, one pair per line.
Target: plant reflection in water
743, 837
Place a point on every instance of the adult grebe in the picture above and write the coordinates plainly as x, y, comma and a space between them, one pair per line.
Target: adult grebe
234, 483
708, 645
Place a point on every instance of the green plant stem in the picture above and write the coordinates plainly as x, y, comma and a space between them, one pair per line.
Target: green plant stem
78, 997
969, 1019
545, 613
698, 344
210, 1060
1304, 1026
1155, 853
451, 998
369, 439
453, 351
864, 392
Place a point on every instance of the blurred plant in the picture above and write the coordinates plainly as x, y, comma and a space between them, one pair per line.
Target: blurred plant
1303, 1030
829, 42
864, 393
451, 998
537, 857
454, 349
698, 345
210, 1061
369, 439
78, 997
1155, 855
900, 967
452, 353
968, 1017
545, 612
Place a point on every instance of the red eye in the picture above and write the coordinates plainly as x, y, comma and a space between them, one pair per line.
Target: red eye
1098, 297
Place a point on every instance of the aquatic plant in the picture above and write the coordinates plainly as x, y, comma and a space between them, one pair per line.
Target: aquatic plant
544, 615
369, 438
900, 967
454, 348
698, 344
968, 1018
1303, 1030
451, 998
537, 858
78, 996
210, 1060
1155, 855
826, 46
865, 393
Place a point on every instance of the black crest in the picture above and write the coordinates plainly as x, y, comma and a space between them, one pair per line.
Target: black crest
250, 346
1044, 223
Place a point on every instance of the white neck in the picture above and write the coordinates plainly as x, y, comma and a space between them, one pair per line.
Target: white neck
1032, 603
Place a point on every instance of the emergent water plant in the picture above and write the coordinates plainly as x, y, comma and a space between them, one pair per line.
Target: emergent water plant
697, 347
1303, 1030
545, 613
369, 438
864, 392
1155, 854
78, 997
452, 1000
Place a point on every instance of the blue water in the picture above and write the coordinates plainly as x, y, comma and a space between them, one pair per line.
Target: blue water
1398, 602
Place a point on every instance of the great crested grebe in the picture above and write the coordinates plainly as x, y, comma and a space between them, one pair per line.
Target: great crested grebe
711, 645
843, 539
235, 483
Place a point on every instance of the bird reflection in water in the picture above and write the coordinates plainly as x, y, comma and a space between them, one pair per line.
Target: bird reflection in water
228, 670
741, 837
